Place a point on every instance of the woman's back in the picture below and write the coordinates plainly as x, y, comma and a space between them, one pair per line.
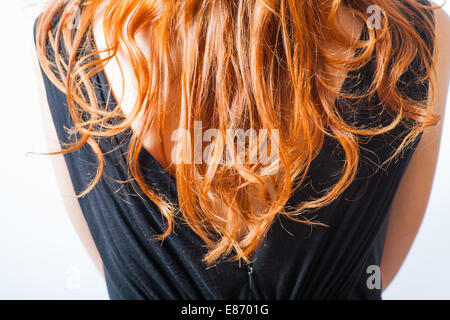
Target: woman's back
333, 259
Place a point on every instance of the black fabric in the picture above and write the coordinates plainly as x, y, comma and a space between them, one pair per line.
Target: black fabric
294, 262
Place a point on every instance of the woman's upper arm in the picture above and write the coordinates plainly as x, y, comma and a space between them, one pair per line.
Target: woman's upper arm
62, 175
412, 196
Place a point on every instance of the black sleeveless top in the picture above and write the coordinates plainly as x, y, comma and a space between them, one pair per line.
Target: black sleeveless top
294, 261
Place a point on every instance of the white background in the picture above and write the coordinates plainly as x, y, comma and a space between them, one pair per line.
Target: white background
40, 253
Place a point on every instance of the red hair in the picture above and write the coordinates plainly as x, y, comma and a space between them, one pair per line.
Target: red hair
258, 64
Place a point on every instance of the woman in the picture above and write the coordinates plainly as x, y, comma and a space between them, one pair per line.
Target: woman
166, 112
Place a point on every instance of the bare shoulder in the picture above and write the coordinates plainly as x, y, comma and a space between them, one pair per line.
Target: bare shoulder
411, 198
62, 174
442, 42
442, 64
